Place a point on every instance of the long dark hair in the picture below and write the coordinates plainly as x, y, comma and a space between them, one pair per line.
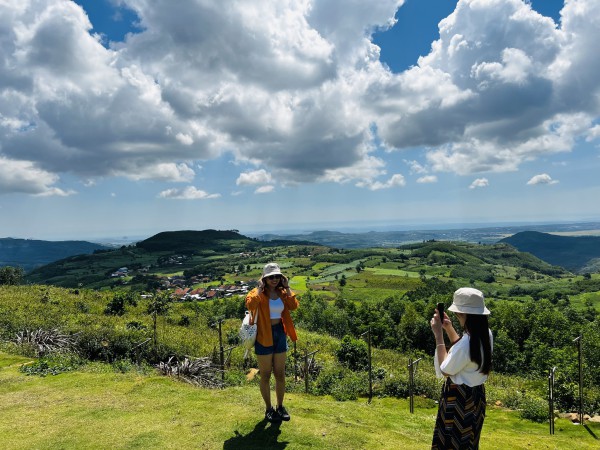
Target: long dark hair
479, 338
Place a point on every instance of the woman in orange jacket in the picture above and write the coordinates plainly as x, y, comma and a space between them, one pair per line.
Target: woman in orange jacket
272, 300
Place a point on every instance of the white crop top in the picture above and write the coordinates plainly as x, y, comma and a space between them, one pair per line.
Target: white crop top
275, 308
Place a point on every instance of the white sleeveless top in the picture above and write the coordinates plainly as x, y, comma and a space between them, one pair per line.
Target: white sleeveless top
275, 308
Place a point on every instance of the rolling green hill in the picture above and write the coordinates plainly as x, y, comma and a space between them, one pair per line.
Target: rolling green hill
169, 252
217, 253
30, 253
192, 241
575, 253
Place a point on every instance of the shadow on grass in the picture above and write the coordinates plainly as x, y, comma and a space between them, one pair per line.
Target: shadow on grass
591, 432
264, 436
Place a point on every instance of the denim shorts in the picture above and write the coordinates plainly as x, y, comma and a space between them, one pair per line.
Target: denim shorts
280, 344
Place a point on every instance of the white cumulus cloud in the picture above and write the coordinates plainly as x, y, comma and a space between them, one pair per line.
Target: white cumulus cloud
542, 178
25, 177
479, 183
296, 87
187, 193
260, 176
264, 189
397, 180
427, 179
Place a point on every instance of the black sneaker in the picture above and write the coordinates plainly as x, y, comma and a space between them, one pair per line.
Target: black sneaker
283, 414
272, 416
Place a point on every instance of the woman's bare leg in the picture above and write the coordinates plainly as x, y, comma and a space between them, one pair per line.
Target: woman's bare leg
279, 372
265, 366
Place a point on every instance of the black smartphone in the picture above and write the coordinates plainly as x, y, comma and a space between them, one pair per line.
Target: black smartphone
440, 308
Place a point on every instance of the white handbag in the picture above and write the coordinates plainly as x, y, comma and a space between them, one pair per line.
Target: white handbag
248, 331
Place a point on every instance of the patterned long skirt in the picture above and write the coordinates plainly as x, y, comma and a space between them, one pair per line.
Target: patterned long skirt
460, 417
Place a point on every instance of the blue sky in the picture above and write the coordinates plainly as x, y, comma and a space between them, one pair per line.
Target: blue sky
131, 117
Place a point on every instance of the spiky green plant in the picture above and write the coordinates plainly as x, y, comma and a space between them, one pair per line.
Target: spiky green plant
44, 342
196, 371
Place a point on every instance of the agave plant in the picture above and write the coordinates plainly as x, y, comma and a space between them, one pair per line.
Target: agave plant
45, 341
196, 371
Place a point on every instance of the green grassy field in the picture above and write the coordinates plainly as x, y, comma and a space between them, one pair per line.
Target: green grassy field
96, 408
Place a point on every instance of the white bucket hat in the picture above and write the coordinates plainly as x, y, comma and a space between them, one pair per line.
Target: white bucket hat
468, 301
271, 269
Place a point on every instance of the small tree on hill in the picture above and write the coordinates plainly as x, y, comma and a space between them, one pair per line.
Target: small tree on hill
353, 353
158, 306
116, 306
11, 276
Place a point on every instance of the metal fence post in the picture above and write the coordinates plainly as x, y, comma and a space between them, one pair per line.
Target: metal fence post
221, 352
295, 363
306, 366
578, 339
412, 368
410, 386
368, 333
551, 399
305, 371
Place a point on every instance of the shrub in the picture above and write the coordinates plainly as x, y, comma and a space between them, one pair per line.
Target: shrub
135, 325
184, 321
353, 353
566, 394
534, 409
53, 364
341, 383
110, 344
591, 400
396, 387
426, 385
513, 399
116, 306
122, 365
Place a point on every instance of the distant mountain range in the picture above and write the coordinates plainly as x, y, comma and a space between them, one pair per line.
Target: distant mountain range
484, 235
576, 253
579, 254
30, 253
213, 253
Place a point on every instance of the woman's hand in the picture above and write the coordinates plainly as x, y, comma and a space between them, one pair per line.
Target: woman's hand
446, 323
436, 324
449, 329
285, 282
261, 286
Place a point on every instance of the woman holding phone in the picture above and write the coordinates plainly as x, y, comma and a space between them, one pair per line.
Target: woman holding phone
466, 366
270, 304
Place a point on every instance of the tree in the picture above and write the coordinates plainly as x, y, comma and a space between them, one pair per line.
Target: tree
116, 306
158, 306
353, 353
343, 281
413, 330
11, 276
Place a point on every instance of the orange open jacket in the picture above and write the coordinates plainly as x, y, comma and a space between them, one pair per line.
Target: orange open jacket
260, 301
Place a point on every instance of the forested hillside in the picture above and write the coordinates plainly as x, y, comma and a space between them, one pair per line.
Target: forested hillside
577, 253
30, 253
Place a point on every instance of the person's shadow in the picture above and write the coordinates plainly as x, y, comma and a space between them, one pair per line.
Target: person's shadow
262, 437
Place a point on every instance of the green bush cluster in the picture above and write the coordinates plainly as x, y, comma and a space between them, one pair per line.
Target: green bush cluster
53, 364
534, 409
341, 383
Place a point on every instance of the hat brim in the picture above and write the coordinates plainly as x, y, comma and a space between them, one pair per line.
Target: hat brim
274, 273
469, 310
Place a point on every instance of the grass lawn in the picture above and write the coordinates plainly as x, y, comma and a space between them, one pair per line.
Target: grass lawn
101, 409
